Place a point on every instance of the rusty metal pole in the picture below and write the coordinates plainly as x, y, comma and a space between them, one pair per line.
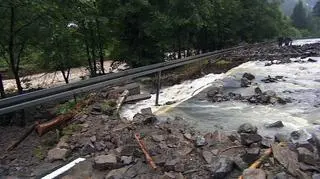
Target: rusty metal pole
158, 88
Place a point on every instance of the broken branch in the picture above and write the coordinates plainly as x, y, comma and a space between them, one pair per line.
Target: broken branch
144, 150
24, 136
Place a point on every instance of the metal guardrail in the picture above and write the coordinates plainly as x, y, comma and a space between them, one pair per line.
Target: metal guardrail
38, 97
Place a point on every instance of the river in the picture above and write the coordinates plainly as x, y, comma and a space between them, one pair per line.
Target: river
302, 84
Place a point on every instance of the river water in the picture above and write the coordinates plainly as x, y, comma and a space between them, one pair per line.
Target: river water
302, 84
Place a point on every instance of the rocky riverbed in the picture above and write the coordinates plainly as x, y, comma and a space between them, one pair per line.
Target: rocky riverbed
178, 151
107, 147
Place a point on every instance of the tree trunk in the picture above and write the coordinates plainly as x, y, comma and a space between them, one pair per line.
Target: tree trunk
93, 54
179, 47
66, 75
100, 47
89, 58
13, 60
3, 94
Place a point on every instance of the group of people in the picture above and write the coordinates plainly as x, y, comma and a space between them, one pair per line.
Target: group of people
286, 41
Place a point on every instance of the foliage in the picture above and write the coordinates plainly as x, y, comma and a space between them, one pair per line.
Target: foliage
39, 152
59, 35
66, 107
299, 16
70, 129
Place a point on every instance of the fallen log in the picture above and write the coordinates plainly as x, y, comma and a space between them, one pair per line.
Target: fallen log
24, 136
46, 127
61, 119
121, 100
145, 151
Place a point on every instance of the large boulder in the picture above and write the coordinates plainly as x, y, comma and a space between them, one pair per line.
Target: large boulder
305, 156
251, 155
248, 139
57, 154
249, 76
221, 168
244, 82
213, 92
277, 124
247, 128
104, 162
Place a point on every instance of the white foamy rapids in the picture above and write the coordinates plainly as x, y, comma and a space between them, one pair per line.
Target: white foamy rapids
177, 93
305, 41
302, 84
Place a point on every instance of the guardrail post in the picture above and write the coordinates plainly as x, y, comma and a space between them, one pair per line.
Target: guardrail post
158, 87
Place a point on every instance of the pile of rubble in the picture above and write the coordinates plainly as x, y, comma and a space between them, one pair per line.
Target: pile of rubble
179, 151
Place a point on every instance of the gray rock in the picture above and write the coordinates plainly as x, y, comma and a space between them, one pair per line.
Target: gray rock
200, 141
249, 76
312, 60
253, 99
281, 175
63, 144
159, 160
270, 93
286, 158
281, 101
145, 118
244, 82
88, 148
207, 156
104, 162
251, 155
281, 138
247, 128
170, 164
179, 167
267, 142
254, 174
170, 102
265, 99
213, 92
316, 176
126, 160
57, 154
146, 111
258, 91
273, 100
305, 144
93, 139
239, 163
277, 124
157, 138
221, 168
173, 141
187, 136
304, 155
248, 139
117, 173
100, 146
128, 150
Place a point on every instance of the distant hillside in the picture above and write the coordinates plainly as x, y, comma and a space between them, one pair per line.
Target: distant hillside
288, 5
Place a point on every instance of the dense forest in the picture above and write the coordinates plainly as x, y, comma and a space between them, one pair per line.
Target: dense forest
58, 35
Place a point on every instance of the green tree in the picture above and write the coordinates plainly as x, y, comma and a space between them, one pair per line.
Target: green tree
20, 21
299, 16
